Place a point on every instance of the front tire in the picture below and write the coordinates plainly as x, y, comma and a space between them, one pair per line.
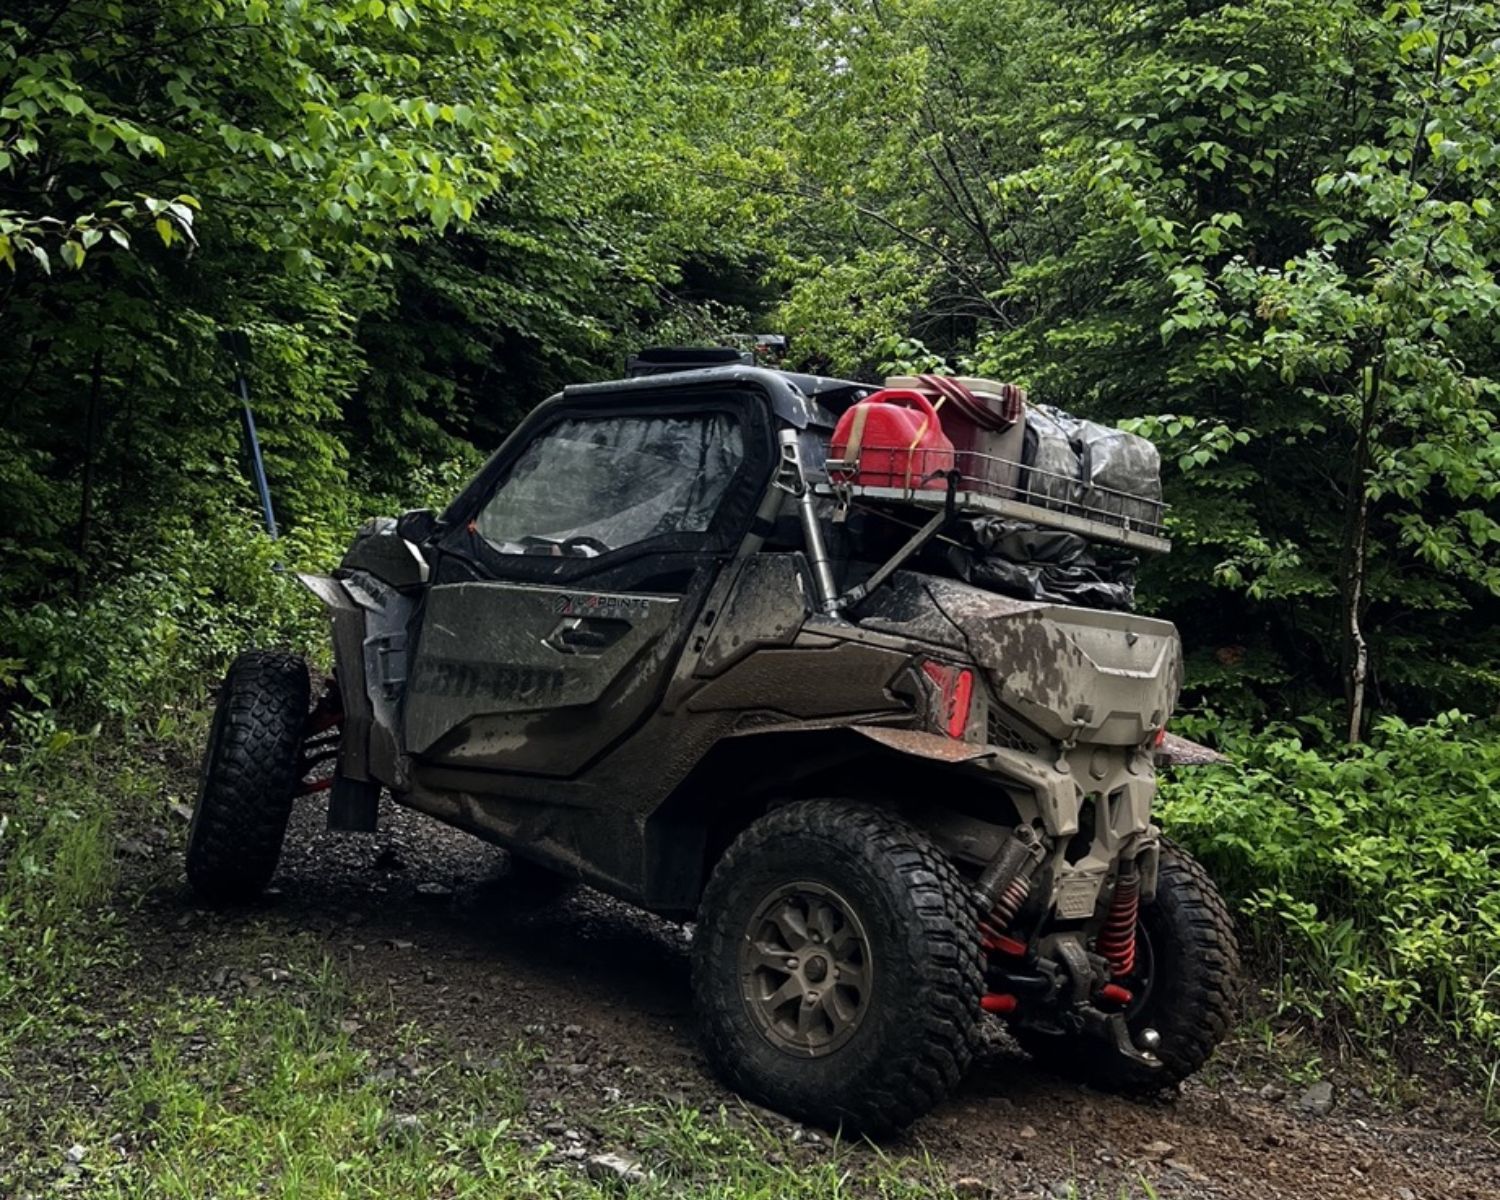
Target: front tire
1186, 983
250, 772
836, 968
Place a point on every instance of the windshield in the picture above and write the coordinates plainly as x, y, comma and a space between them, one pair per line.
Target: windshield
589, 485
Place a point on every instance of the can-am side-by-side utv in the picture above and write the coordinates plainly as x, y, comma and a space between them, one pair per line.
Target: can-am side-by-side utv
771, 652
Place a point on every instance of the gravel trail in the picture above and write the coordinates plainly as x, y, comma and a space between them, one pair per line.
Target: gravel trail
422, 916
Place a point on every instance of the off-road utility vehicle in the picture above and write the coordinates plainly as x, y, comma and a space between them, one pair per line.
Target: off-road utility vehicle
667, 644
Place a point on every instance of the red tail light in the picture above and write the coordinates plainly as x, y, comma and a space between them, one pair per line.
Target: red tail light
957, 687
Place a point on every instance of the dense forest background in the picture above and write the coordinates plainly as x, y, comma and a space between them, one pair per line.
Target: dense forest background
1264, 234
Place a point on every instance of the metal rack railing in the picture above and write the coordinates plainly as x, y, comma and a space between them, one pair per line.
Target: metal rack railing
983, 484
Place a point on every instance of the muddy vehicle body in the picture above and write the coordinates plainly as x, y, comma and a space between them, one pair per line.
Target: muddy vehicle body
657, 647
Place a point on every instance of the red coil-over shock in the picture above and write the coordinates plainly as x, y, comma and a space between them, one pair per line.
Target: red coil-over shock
1002, 891
1005, 883
992, 927
1116, 942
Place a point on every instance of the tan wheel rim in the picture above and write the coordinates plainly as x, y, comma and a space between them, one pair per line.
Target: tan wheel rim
805, 969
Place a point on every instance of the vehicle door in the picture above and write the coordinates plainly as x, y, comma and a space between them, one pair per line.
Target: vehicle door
570, 576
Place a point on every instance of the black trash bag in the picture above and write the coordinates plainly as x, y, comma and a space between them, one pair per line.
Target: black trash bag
1031, 563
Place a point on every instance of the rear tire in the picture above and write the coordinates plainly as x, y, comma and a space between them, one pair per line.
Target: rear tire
250, 772
1192, 960
884, 933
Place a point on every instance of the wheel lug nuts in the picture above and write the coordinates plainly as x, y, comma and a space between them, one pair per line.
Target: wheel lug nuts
791, 964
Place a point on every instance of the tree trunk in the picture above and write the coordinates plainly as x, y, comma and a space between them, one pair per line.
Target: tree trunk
90, 438
1356, 651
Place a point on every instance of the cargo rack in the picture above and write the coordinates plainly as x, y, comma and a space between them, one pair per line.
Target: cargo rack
984, 485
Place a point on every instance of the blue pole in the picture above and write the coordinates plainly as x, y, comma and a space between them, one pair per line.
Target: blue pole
233, 341
257, 463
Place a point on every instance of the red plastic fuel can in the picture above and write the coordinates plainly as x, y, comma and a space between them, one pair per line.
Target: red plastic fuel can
986, 420
893, 439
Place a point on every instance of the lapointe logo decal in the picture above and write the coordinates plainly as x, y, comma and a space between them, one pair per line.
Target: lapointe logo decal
594, 605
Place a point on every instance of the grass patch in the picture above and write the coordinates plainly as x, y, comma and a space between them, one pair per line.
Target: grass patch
193, 1095
57, 865
69, 802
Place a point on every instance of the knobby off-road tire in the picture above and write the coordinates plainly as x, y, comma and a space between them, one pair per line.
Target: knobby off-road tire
250, 772
915, 1030
1193, 962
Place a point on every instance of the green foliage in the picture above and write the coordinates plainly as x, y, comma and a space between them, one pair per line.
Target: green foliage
197, 597
322, 127
423, 215
1263, 234
1274, 221
1368, 877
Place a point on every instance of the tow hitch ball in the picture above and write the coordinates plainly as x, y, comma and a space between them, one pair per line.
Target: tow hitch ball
1142, 1049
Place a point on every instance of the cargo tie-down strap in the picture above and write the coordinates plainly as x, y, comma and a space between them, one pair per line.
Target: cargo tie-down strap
856, 434
966, 401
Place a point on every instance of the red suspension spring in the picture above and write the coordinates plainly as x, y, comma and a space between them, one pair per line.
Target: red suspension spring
320, 740
1117, 940
1007, 905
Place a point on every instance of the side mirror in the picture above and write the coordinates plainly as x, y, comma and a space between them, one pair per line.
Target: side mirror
417, 525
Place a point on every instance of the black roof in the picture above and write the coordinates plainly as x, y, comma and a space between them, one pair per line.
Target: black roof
799, 399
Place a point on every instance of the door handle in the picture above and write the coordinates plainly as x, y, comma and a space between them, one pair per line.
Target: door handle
586, 635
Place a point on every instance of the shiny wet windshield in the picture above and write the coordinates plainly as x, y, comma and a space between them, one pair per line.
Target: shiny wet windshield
588, 486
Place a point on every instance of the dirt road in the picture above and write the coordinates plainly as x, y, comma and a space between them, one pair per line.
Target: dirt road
421, 916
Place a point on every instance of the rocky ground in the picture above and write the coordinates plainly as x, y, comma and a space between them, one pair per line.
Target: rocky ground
422, 923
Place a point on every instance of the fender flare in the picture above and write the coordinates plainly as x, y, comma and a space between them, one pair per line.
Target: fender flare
347, 617
920, 744
1177, 751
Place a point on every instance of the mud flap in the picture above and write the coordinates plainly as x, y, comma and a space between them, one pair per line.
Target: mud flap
369, 641
348, 622
353, 805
